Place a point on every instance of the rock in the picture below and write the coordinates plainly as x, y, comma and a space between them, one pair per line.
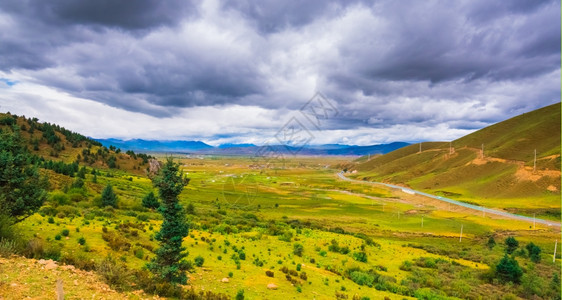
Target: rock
272, 286
153, 166
50, 265
75, 281
68, 267
225, 280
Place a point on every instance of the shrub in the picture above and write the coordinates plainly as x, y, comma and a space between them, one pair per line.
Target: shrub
59, 198
491, 243
116, 274
78, 260
534, 252
269, 273
115, 241
303, 276
362, 278
230, 274
52, 252
150, 201
34, 249
511, 244
139, 253
508, 270
65, 232
199, 260
240, 295
51, 220
7, 247
360, 256
242, 255
286, 236
143, 217
81, 241
190, 209
334, 247
299, 267
298, 249
406, 266
57, 237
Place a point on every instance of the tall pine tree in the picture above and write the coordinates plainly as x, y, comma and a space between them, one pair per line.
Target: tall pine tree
108, 197
168, 264
22, 190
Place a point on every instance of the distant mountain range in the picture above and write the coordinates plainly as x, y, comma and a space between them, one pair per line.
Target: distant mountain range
163, 146
198, 147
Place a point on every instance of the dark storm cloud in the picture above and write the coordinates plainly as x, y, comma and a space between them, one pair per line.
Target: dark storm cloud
460, 63
129, 15
446, 45
271, 16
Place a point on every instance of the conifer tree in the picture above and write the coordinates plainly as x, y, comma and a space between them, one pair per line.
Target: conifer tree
511, 244
108, 197
150, 201
508, 270
169, 263
22, 190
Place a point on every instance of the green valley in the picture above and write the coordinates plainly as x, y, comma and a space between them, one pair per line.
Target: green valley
291, 228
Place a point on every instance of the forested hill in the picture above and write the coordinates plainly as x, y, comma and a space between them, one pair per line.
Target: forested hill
62, 150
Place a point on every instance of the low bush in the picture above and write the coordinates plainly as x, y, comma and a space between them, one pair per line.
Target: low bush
199, 260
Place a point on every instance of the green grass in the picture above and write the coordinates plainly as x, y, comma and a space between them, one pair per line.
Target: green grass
304, 203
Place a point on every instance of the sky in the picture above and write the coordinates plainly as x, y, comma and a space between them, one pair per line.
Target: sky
349, 72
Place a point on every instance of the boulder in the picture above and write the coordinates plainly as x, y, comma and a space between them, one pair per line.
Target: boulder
272, 286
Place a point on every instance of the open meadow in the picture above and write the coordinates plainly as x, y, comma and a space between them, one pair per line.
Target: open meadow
294, 226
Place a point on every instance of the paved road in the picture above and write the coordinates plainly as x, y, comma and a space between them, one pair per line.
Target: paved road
444, 199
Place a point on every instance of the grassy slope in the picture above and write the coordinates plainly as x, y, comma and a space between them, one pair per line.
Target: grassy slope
69, 154
505, 173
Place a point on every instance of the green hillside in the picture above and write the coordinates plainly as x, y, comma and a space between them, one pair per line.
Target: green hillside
518, 137
503, 177
290, 232
63, 151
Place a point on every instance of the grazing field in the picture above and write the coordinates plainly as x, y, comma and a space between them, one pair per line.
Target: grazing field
272, 228
315, 235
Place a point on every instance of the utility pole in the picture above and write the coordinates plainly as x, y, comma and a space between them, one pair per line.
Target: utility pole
554, 256
460, 238
535, 162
